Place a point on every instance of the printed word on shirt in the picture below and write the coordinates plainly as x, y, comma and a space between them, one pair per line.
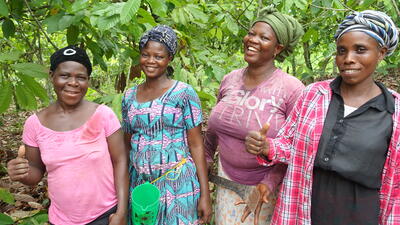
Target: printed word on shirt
247, 106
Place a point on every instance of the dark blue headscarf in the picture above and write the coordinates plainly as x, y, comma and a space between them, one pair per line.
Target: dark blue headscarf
162, 34
376, 24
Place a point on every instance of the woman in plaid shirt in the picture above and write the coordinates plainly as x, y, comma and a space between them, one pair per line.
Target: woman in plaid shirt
341, 141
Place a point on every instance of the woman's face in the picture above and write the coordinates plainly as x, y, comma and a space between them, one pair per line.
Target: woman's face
260, 44
154, 59
357, 56
70, 81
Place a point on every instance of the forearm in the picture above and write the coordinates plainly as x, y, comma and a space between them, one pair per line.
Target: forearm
121, 181
210, 145
34, 176
201, 168
274, 176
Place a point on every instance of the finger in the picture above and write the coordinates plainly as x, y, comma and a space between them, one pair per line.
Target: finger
21, 151
265, 198
240, 202
110, 217
257, 212
263, 131
18, 177
246, 213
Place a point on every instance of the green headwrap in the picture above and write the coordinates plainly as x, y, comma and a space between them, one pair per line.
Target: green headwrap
287, 30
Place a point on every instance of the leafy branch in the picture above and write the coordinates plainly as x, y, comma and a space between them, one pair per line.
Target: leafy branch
40, 26
237, 19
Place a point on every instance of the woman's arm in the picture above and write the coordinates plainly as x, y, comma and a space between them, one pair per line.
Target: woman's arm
119, 160
195, 141
28, 171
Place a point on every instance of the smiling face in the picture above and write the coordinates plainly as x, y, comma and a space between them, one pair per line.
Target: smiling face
154, 59
70, 81
357, 56
260, 44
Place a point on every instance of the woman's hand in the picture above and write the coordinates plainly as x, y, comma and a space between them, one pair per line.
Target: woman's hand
256, 142
18, 168
263, 193
204, 209
117, 219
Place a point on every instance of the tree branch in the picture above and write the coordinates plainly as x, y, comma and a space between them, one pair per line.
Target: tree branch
244, 10
244, 27
40, 26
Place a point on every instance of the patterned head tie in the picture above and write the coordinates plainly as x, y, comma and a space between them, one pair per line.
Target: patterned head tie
376, 24
70, 53
162, 34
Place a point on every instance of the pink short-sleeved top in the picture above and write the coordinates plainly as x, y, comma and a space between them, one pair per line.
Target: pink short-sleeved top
78, 163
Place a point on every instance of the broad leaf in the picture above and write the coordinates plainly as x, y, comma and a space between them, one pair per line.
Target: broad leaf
3, 8
25, 97
232, 25
145, 17
8, 28
31, 69
197, 13
10, 56
158, 7
5, 96
17, 7
79, 5
52, 22
5, 220
6, 196
34, 87
72, 34
129, 10
65, 22
105, 23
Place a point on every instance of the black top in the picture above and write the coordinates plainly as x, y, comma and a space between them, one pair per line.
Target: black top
350, 159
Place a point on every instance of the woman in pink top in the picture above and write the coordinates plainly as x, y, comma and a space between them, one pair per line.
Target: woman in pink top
248, 98
80, 146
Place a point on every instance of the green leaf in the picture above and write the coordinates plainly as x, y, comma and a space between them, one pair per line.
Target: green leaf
8, 28
79, 5
129, 10
65, 22
158, 7
5, 220
232, 25
34, 87
105, 23
31, 69
218, 72
197, 13
72, 34
6, 196
10, 56
5, 96
52, 22
301, 4
25, 97
145, 17
16, 8
3, 8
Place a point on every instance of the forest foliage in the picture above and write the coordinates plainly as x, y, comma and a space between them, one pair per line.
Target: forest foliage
210, 45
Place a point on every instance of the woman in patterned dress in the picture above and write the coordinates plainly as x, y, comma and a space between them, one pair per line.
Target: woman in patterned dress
162, 123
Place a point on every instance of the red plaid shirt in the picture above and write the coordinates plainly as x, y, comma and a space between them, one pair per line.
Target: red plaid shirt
297, 145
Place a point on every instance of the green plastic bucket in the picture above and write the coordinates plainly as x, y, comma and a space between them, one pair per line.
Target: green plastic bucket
145, 202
